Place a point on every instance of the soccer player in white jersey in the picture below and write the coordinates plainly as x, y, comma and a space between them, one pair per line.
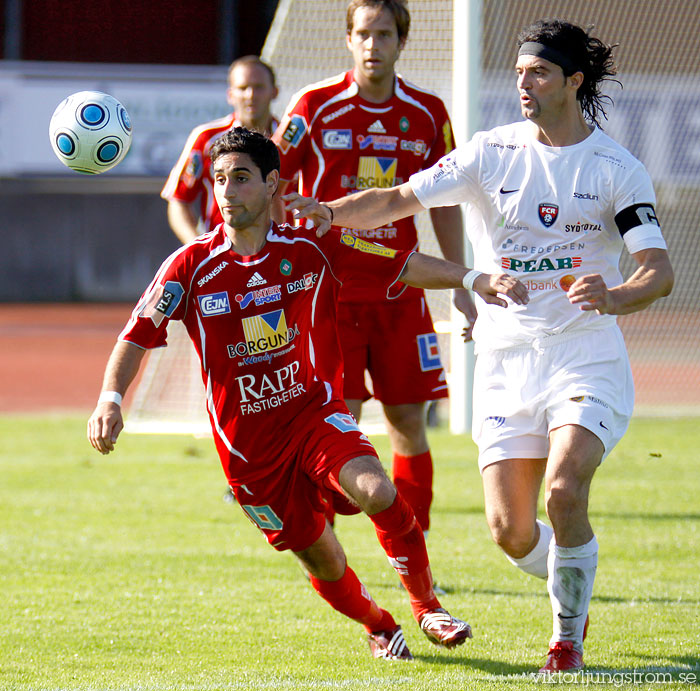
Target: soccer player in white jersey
553, 200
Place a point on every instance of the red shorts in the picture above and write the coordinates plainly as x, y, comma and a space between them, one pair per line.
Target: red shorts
288, 504
396, 343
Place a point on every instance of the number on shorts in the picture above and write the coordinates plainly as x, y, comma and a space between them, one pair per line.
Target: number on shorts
264, 517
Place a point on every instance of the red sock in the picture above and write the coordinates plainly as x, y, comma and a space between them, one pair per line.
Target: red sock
413, 477
402, 539
349, 597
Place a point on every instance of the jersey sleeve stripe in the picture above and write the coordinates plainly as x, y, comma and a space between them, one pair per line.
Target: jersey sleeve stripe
294, 101
171, 183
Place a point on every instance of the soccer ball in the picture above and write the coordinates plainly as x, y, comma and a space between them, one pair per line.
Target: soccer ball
90, 132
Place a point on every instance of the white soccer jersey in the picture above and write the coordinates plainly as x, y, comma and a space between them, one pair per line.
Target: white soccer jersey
547, 215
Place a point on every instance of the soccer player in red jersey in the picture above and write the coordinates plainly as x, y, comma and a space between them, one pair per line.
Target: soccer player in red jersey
258, 302
369, 128
251, 89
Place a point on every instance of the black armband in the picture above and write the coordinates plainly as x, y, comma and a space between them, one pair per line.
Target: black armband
636, 215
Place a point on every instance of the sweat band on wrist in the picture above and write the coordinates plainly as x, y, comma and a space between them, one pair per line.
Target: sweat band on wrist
331, 212
469, 278
110, 397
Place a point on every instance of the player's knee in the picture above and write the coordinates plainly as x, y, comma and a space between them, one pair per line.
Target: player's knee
564, 502
409, 420
377, 495
367, 484
515, 539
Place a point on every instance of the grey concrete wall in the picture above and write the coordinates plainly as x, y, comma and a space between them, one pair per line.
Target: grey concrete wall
62, 243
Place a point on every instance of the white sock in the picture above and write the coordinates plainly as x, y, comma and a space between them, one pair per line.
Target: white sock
570, 586
535, 561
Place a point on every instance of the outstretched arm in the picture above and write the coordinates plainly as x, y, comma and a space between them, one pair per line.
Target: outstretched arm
368, 209
424, 271
106, 421
652, 280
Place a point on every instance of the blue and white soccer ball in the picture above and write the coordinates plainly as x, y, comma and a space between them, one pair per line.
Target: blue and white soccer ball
90, 132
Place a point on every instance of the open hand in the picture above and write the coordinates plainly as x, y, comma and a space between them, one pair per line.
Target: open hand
306, 207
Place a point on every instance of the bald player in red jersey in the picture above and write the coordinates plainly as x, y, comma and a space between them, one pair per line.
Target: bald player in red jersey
189, 189
258, 302
369, 128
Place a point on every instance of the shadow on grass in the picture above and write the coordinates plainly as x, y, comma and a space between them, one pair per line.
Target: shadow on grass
458, 509
543, 595
491, 667
646, 516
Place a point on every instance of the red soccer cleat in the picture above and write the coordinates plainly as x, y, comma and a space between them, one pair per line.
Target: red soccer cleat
389, 645
444, 629
562, 658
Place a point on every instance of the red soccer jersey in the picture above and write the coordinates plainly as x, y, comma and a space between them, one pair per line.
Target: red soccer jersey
191, 178
342, 143
264, 328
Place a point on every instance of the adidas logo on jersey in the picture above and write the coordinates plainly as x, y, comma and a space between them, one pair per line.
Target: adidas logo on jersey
376, 128
256, 280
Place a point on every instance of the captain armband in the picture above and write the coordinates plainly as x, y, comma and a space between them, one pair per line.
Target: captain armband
640, 228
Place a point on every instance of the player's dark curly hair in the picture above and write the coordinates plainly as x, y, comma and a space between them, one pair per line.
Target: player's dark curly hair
593, 58
261, 150
398, 8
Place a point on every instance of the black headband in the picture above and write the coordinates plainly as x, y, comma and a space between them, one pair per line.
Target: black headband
540, 50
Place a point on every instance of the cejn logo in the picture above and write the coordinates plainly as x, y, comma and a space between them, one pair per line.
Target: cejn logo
216, 303
337, 139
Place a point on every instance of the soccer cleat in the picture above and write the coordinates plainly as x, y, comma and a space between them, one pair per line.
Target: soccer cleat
562, 657
444, 629
389, 645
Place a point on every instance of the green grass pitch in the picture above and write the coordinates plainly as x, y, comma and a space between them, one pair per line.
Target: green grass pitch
130, 572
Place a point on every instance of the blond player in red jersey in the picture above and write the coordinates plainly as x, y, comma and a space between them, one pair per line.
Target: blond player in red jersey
258, 302
363, 129
189, 189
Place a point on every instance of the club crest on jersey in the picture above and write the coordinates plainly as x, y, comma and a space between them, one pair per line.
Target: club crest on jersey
548, 213
263, 333
214, 304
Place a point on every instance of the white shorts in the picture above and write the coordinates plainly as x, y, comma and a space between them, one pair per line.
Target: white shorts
522, 393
